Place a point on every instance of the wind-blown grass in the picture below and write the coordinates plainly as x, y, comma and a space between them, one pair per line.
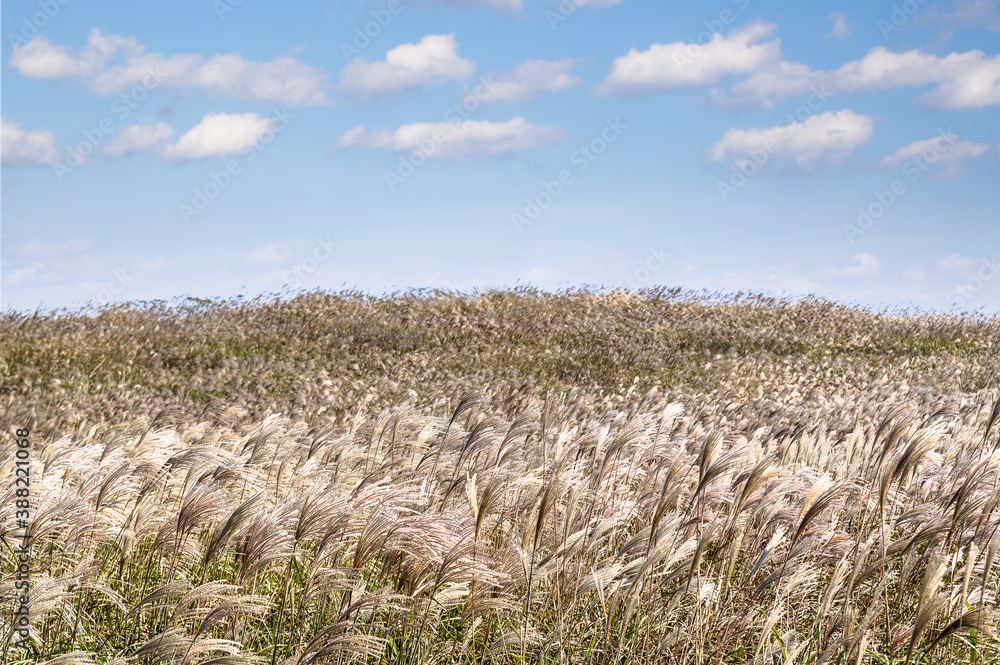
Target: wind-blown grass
513, 477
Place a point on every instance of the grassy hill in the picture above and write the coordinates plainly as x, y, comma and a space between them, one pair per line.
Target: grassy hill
504, 477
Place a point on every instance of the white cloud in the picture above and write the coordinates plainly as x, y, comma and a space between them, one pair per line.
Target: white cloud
456, 141
432, 60
947, 150
40, 59
38, 247
980, 13
527, 78
23, 274
139, 138
218, 135
865, 264
111, 64
882, 69
274, 253
773, 81
957, 263
19, 147
840, 28
960, 80
825, 139
678, 65
963, 80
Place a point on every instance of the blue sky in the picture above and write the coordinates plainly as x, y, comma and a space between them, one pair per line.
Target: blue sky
845, 149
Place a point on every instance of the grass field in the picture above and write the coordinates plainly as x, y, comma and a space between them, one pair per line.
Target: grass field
505, 477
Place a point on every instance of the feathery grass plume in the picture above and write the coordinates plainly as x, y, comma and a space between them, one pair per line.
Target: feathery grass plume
972, 619
265, 540
328, 644
166, 647
819, 498
708, 454
929, 601
73, 658
201, 597
469, 402
203, 503
861, 635
376, 532
994, 416
159, 598
220, 537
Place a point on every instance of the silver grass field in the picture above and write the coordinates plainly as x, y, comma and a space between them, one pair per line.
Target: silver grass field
508, 477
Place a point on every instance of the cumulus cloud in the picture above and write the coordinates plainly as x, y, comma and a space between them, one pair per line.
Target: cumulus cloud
39, 247
963, 80
111, 64
957, 264
979, 13
432, 60
958, 80
776, 80
947, 150
865, 264
821, 140
218, 135
271, 254
22, 275
139, 138
19, 147
679, 65
840, 29
456, 141
528, 78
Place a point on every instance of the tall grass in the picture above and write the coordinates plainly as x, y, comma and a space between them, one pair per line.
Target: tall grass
731, 482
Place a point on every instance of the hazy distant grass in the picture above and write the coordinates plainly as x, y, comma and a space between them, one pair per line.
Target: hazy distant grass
339, 478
